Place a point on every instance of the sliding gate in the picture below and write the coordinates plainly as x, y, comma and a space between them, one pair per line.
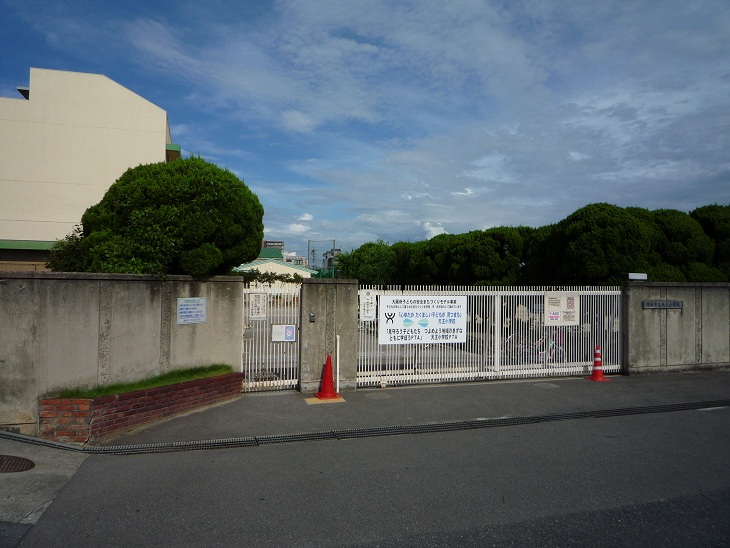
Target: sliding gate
500, 333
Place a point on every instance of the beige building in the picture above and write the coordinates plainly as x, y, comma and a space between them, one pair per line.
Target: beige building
62, 145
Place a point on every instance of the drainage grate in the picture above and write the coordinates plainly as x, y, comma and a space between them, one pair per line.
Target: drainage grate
170, 447
288, 438
14, 464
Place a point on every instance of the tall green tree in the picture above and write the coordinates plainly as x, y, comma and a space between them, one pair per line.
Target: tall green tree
403, 253
537, 255
183, 217
715, 221
507, 245
489, 257
421, 268
682, 241
680, 250
598, 244
372, 264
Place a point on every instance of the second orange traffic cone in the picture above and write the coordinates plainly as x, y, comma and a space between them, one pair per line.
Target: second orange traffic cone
327, 389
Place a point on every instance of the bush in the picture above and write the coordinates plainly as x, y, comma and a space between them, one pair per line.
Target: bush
185, 217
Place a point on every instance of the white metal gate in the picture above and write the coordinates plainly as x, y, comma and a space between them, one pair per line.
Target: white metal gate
270, 342
507, 337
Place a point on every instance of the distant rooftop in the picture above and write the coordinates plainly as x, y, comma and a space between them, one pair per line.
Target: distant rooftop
271, 253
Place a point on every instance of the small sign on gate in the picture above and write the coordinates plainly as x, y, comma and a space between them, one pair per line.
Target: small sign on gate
562, 308
258, 307
283, 333
368, 308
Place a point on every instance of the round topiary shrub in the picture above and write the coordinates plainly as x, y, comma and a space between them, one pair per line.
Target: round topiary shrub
184, 217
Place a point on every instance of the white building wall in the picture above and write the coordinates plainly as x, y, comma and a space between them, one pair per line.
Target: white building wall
62, 149
279, 269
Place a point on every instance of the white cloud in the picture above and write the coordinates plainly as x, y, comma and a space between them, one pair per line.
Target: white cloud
577, 156
489, 168
433, 229
294, 120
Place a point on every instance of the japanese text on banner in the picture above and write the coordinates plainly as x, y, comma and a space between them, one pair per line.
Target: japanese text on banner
421, 319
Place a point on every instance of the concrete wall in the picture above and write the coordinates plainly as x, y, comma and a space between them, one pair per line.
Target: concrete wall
61, 149
693, 337
67, 330
332, 305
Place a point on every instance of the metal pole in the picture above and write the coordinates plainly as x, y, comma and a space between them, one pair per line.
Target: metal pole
338, 365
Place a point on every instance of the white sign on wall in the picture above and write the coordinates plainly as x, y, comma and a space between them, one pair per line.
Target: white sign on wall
421, 319
562, 308
191, 310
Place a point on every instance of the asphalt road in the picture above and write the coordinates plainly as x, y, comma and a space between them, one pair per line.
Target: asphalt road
658, 479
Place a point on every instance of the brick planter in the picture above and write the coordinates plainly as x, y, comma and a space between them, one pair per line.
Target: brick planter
77, 420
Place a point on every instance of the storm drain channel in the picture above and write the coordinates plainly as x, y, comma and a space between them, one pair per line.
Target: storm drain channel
354, 433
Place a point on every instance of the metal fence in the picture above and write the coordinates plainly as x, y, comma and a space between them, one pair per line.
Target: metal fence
507, 337
270, 346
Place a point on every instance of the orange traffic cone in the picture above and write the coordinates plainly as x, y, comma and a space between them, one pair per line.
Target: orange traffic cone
327, 389
597, 374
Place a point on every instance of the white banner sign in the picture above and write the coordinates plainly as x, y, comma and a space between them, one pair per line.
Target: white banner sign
562, 308
421, 319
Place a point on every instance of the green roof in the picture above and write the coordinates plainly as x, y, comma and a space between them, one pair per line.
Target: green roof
270, 253
25, 244
254, 265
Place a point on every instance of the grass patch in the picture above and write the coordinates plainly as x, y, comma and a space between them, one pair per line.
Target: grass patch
173, 377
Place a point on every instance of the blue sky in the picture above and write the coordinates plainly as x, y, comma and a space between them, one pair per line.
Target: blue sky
362, 120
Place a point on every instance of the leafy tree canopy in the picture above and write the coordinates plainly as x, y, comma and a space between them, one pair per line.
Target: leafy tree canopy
715, 221
184, 217
372, 263
682, 239
598, 244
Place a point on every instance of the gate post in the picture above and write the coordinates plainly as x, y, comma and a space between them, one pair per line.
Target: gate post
328, 308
